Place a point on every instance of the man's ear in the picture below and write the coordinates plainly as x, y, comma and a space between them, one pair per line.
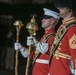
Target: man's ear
52, 20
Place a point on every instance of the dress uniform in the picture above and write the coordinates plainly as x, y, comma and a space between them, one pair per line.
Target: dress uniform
63, 51
41, 63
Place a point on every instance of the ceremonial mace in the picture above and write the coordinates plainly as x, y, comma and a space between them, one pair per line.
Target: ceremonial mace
18, 24
32, 27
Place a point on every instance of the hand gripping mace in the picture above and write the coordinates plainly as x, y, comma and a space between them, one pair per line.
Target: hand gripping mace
32, 28
18, 24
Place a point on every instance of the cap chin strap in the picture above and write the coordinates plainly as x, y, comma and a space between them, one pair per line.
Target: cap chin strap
66, 10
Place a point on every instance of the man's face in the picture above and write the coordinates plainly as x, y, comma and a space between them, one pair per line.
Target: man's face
46, 23
63, 12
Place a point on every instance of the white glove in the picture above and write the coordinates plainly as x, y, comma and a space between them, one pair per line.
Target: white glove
35, 41
17, 46
29, 40
71, 66
42, 47
24, 52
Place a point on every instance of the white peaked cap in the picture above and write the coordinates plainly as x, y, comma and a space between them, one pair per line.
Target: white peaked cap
51, 13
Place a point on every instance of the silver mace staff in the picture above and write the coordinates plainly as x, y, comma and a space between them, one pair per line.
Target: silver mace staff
32, 28
18, 24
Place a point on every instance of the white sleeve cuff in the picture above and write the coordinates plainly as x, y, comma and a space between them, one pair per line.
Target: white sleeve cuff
24, 52
42, 47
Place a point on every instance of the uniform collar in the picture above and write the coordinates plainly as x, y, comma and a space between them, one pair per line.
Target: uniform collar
49, 31
72, 19
69, 20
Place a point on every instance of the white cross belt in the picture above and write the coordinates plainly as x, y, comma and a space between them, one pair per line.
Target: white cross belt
42, 61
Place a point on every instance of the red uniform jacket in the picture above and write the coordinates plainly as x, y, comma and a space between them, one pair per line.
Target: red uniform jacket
65, 50
42, 68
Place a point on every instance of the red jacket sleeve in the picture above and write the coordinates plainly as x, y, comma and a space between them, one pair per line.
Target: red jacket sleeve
71, 34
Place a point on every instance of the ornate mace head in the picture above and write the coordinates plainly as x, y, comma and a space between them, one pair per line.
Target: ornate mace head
32, 26
18, 24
